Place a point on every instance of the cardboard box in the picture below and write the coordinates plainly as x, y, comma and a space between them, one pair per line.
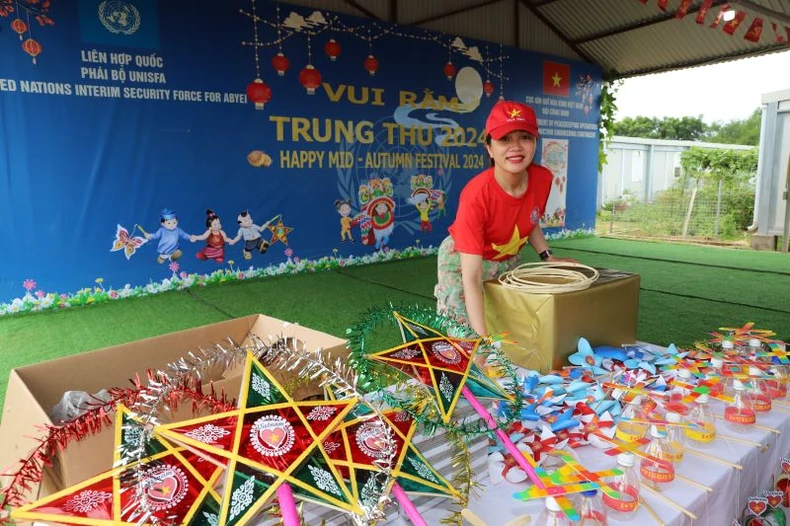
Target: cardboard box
33, 390
547, 327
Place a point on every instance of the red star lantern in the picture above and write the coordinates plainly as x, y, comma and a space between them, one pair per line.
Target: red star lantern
174, 484
19, 26
488, 88
450, 70
280, 63
32, 48
310, 78
332, 49
371, 65
259, 93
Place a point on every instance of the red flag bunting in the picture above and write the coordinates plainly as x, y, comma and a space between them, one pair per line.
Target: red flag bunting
720, 16
662, 4
703, 11
683, 9
643, 1
777, 34
731, 26
755, 30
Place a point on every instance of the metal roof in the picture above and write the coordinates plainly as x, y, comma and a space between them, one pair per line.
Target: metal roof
625, 37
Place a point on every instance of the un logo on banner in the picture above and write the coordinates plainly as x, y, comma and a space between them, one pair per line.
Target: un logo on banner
119, 17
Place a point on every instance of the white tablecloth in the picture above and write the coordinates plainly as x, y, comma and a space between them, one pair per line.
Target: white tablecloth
731, 487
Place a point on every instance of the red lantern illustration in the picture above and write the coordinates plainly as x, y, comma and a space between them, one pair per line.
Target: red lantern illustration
259, 93
372, 65
449, 70
310, 78
32, 48
19, 26
281, 64
332, 49
488, 88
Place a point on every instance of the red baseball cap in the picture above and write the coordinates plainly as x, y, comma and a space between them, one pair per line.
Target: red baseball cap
507, 116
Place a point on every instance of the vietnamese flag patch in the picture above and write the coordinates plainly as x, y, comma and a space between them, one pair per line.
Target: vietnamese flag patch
556, 79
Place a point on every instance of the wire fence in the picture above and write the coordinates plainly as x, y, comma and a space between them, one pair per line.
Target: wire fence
689, 215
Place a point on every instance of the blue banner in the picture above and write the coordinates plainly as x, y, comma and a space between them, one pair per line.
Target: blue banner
143, 141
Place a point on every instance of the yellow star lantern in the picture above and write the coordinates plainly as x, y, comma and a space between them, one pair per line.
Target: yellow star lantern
268, 441
512, 247
167, 484
279, 232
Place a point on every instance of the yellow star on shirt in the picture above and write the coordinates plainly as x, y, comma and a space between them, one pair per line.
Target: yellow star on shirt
515, 113
512, 247
557, 79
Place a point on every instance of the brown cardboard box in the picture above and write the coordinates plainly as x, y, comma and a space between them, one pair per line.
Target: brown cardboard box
547, 327
35, 389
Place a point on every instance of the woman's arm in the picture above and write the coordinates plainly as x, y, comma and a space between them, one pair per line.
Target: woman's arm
472, 278
539, 244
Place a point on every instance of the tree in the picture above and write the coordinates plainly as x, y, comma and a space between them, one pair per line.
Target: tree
746, 131
735, 168
683, 128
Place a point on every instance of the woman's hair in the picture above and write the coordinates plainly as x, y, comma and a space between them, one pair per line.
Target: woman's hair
210, 216
488, 143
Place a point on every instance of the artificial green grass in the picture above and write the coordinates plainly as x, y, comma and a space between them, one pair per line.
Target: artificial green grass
679, 302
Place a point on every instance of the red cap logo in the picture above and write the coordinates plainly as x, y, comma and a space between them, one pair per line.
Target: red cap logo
509, 116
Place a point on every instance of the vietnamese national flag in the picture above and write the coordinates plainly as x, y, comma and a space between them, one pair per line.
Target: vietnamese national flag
735, 23
777, 34
556, 79
755, 30
683, 9
703, 11
662, 4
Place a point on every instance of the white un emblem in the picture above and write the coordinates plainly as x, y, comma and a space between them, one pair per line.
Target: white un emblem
119, 17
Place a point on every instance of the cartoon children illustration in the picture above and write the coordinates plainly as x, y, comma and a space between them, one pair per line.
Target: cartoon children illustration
440, 204
215, 239
344, 209
251, 234
168, 236
424, 207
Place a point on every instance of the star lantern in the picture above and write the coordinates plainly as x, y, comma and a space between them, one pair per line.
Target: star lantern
450, 70
259, 93
20, 27
169, 483
332, 49
279, 232
269, 441
310, 78
371, 65
488, 88
280, 63
32, 48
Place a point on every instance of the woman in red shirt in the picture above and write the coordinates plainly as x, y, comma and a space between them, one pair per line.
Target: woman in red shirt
499, 211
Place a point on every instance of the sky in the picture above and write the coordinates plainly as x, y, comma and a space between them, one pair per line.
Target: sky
720, 92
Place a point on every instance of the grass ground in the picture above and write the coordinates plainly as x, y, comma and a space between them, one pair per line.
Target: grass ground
686, 291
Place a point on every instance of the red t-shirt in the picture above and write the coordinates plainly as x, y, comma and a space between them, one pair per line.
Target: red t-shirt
492, 223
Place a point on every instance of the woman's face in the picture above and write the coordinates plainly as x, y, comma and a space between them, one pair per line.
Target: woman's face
513, 152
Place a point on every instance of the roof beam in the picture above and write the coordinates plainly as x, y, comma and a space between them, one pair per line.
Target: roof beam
534, 10
394, 11
639, 25
453, 12
362, 9
541, 3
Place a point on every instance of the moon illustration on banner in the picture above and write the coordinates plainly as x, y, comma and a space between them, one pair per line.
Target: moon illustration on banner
469, 87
